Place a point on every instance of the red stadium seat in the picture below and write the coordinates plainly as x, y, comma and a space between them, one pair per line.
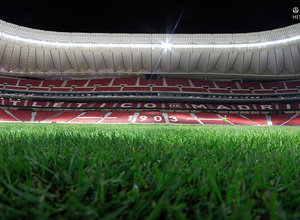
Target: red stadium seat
90, 117
225, 84
16, 87
108, 89
146, 117
270, 85
5, 116
175, 82
294, 120
198, 90
63, 117
203, 83
130, 81
44, 115
102, 82
9, 81
281, 119
55, 83
60, 89
117, 117
247, 85
38, 89
156, 82
257, 118
293, 84
219, 91
287, 91
263, 91
32, 82
237, 119
241, 91
78, 83
181, 118
83, 89
209, 118
23, 115
165, 89
136, 88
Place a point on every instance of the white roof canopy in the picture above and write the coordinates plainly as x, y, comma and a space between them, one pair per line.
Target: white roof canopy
270, 53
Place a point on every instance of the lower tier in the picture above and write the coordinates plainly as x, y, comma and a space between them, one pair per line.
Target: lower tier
145, 117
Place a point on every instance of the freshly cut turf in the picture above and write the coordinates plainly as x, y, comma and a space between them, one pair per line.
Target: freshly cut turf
149, 172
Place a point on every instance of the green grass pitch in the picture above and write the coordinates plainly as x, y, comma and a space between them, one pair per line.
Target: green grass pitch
149, 172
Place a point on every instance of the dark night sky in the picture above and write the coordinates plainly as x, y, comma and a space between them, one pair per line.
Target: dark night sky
148, 16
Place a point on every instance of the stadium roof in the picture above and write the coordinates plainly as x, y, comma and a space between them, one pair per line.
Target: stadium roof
269, 54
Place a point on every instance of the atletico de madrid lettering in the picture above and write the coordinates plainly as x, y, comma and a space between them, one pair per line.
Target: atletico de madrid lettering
146, 105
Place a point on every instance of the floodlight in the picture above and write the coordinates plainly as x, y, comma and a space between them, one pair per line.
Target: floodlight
166, 46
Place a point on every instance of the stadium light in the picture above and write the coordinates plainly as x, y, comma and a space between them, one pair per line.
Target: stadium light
166, 46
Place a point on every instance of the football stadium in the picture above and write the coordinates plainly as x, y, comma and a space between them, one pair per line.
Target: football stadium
149, 126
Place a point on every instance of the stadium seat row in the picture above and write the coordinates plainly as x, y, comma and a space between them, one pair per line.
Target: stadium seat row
145, 117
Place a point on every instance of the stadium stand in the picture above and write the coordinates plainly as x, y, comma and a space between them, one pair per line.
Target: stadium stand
60, 89
38, 89
208, 118
24, 115
263, 91
248, 85
196, 85
6, 116
9, 81
118, 117
241, 91
55, 83
270, 85
257, 118
162, 88
287, 90
63, 117
146, 117
136, 88
130, 81
294, 120
198, 90
98, 82
26, 82
85, 89
15, 88
225, 84
145, 82
181, 118
41, 116
177, 82
238, 119
281, 119
293, 84
132, 84
157, 111
89, 117
202, 83
78, 83
222, 91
